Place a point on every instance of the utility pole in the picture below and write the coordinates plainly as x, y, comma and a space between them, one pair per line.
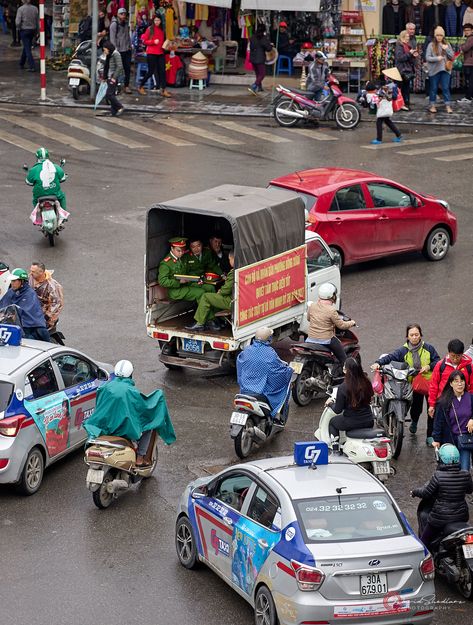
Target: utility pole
93, 58
42, 52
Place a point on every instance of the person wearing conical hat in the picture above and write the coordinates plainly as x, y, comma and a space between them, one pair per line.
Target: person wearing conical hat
384, 111
176, 263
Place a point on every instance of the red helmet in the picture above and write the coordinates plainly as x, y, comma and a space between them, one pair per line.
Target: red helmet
307, 45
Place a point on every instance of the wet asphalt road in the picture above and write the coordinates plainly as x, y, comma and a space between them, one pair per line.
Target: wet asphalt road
64, 561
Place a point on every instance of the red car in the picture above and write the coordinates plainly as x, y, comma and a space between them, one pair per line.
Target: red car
363, 216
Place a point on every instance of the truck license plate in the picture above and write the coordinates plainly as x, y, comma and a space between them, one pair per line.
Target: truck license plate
467, 551
373, 584
296, 366
74, 82
193, 345
95, 476
238, 418
381, 468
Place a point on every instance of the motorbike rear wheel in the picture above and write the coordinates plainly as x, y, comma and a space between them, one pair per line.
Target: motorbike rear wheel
244, 440
465, 583
51, 239
347, 116
75, 93
288, 105
102, 498
300, 394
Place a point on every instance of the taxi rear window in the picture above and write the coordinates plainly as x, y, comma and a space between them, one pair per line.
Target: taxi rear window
349, 518
6, 390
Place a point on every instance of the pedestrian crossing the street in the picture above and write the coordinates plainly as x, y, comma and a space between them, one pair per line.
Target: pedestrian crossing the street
463, 141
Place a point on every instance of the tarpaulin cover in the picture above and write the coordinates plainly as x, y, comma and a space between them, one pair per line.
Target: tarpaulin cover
281, 5
121, 410
226, 4
263, 222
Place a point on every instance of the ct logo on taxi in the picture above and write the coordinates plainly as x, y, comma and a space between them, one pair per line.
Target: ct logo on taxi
219, 545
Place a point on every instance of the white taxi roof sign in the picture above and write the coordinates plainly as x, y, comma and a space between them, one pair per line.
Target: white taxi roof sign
310, 453
9, 334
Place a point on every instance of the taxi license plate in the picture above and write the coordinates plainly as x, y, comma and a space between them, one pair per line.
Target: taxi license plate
467, 551
296, 366
373, 584
95, 476
381, 468
74, 82
238, 418
193, 345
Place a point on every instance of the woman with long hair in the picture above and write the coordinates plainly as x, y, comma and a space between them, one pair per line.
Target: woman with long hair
259, 45
153, 39
454, 416
405, 59
352, 405
439, 55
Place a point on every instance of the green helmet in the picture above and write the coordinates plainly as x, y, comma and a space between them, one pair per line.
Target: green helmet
42, 154
449, 454
18, 274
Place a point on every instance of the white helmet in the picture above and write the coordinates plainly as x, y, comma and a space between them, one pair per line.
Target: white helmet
123, 369
263, 334
327, 290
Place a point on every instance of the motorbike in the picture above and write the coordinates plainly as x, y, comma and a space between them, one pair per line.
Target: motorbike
48, 214
318, 368
452, 551
78, 72
391, 406
368, 447
251, 422
112, 467
294, 105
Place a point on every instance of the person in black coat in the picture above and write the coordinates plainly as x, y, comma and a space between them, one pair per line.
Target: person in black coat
434, 15
447, 487
259, 45
394, 18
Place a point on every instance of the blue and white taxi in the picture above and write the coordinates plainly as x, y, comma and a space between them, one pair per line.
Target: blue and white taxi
309, 539
46, 392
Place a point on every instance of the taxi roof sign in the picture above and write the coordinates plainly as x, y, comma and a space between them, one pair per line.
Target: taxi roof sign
310, 453
9, 334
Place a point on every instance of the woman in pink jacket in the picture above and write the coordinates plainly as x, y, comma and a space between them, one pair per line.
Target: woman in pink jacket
153, 39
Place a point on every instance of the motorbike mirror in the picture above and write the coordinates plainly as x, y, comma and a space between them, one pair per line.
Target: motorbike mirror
199, 492
63, 162
25, 166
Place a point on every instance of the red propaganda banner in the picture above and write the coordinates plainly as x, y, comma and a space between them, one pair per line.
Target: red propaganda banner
270, 286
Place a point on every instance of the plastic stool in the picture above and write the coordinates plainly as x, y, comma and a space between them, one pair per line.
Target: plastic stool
197, 84
141, 70
284, 65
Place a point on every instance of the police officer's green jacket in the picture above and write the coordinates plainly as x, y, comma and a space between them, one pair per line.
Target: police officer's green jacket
227, 287
206, 262
168, 267
45, 177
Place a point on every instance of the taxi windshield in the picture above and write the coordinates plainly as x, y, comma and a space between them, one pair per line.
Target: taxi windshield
349, 518
6, 390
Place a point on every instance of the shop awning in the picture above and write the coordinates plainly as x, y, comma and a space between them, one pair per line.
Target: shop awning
281, 5
226, 4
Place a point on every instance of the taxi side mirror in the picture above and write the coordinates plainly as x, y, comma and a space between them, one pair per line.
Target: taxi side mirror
200, 492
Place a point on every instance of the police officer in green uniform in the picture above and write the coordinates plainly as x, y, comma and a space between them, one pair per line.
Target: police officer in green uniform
45, 177
211, 302
201, 260
176, 263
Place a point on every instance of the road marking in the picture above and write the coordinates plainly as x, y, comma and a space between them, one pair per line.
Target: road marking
97, 130
315, 134
149, 132
384, 146
50, 134
437, 148
19, 142
200, 132
458, 157
259, 134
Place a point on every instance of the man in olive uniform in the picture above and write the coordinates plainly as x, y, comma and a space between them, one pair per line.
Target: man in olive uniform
211, 302
176, 263
200, 259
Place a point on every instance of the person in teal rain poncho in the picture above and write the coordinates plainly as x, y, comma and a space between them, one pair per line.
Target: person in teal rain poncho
122, 410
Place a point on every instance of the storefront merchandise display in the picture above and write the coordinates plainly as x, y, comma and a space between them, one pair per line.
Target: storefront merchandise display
60, 40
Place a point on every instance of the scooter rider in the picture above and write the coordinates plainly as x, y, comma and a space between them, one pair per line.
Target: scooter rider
323, 318
317, 74
260, 371
45, 177
447, 487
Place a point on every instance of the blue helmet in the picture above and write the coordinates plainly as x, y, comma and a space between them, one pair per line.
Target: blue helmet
449, 454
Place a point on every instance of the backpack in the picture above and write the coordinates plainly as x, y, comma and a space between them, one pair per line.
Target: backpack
180, 78
444, 364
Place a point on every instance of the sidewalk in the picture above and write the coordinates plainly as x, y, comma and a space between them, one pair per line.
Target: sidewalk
22, 88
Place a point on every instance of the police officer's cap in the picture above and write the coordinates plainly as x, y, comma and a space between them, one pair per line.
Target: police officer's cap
178, 242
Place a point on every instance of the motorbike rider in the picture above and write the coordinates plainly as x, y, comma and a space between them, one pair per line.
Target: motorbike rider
323, 319
20, 294
45, 177
447, 487
260, 371
122, 410
49, 292
352, 405
317, 74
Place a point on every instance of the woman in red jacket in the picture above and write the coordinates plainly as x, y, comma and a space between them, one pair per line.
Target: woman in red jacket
153, 40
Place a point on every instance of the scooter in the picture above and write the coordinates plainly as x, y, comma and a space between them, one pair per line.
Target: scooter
112, 467
294, 105
318, 367
452, 551
369, 447
78, 72
49, 215
391, 406
251, 422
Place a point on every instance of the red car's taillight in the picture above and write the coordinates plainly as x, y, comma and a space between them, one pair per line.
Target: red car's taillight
11, 425
307, 577
427, 568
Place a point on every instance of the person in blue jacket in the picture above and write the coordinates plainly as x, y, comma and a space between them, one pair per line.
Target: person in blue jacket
20, 294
